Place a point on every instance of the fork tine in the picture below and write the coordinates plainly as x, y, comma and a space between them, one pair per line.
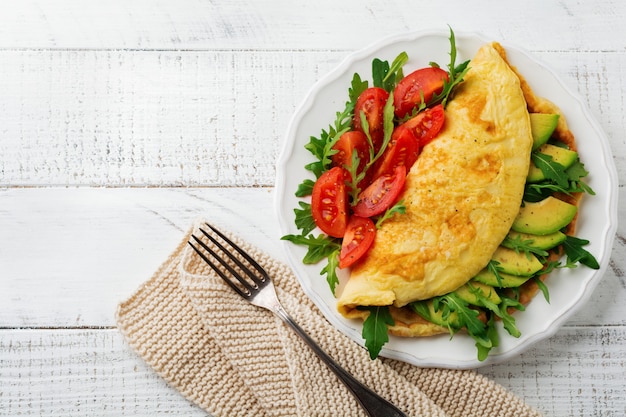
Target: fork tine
243, 253
248, 287
256, 282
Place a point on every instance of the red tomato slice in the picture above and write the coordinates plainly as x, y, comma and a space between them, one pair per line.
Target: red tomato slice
359, 236
406, 95
372, 102
427, 124
403, 149
346, 145
329, 206
381, 194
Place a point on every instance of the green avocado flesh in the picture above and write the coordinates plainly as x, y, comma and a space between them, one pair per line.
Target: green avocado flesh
542, 126
544, 217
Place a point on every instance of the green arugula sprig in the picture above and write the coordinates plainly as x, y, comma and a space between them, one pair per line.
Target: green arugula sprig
518, 244
467, 318
385, 76
320, 248
388, 126
575, 253
375, 330
456, 74
322, 147
494, 267
558, 178
398, 208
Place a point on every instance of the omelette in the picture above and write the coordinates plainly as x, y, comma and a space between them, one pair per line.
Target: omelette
461, 197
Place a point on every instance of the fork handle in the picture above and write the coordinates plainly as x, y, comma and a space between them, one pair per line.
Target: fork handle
373, 404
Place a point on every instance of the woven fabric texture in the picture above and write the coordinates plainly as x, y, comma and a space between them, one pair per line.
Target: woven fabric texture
233, 359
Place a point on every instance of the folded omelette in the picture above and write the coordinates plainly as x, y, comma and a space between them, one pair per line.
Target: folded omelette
461, 197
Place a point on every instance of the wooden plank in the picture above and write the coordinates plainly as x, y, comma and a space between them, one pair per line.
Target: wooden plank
69, 255
281, 24
81, 373
127, 118
94, 372
577, 373
119, 118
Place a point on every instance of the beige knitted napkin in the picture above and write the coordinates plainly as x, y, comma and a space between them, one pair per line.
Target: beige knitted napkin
234, 359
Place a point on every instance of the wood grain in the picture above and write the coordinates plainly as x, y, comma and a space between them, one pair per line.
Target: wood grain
122, 122
321, 25
144, 118
94, 372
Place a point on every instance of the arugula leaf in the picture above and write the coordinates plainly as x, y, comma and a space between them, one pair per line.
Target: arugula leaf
558, 178
321, 147
573, 247
495, 268
547, 269
388, 126
575, 174
399, 207
319, 247
543, 288
355, 177
537, 192
375, 332
492, 334
357, 86
385, 76
305, 188
551, 169
507, 319
304, 219
456, 74
467, 317
331, 270
379, 71
520, 245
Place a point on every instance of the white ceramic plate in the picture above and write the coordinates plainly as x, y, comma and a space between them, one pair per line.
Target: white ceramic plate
569, 289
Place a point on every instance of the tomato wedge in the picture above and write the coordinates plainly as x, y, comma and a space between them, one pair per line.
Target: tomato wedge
381, 194
407, 96
372, 102
427, 124
359, 236
403, 149
329, 204
347, 144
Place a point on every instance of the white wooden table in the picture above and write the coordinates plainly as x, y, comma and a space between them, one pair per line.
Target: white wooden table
122, 121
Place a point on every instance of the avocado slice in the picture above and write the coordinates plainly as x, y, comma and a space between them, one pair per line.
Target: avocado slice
470, 291
426, 309
563, 156
516, 263
545, 242
506, 280
542, 125
544, 217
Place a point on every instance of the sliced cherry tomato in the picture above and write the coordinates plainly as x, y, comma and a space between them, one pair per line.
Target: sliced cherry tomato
372, 102
403, 149
329, 204
407, 96
381, 194
427, 124
359, 236
349, 142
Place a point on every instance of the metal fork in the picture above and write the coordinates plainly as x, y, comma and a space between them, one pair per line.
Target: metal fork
253, 283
